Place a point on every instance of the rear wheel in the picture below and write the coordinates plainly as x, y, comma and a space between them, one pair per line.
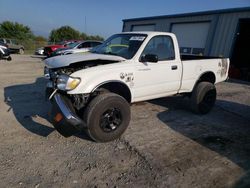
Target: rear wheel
107, 117
203, 97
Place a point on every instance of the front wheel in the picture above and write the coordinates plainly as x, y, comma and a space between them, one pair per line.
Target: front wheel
107, 117
203, 97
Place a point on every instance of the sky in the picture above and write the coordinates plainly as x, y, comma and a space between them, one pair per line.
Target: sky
96, 17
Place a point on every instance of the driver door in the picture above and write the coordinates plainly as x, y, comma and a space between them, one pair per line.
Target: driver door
161, 78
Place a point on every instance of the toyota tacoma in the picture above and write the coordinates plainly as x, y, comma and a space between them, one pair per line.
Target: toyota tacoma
92, 92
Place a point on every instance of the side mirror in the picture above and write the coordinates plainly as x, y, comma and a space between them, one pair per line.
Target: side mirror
149, 58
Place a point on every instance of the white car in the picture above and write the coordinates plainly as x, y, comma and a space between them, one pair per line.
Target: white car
39, 51
92, 91
77, 47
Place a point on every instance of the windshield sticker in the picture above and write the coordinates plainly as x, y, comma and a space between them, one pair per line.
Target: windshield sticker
138, 38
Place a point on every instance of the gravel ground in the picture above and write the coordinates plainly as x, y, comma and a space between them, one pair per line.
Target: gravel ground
165, 145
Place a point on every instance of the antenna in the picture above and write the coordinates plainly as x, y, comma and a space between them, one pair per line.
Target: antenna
85, 24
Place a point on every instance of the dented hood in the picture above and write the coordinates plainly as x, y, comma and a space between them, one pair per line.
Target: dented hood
66, 60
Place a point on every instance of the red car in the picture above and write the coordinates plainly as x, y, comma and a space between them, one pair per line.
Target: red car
51, 48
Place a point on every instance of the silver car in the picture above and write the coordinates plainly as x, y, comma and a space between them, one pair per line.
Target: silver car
77, 47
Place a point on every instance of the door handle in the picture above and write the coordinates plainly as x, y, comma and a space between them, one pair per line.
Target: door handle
174, 67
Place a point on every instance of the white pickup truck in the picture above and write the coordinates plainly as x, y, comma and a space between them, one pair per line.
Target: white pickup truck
92, 91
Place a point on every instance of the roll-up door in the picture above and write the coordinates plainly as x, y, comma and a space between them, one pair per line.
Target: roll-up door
192, 37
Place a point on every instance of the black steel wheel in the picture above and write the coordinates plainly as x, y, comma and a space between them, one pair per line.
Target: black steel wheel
111, 120
107, 117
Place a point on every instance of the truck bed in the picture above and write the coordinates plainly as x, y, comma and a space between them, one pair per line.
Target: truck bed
197, 57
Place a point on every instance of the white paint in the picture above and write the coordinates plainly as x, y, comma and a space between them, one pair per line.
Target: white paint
61, 61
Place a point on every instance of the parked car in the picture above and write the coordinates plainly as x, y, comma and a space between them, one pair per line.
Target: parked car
58, 50
51, 48
13, 46
78, 47
92, 91
39, 51
4, 52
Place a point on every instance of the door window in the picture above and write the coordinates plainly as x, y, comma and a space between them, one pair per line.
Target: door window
94, 44
84, 45
162, 46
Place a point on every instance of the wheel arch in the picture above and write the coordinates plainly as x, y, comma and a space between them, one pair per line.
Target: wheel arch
117, 87
208, 76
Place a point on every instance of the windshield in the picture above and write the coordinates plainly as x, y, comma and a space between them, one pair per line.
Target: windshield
124, 45
72, 45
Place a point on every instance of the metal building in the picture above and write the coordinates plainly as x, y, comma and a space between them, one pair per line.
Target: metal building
224, 33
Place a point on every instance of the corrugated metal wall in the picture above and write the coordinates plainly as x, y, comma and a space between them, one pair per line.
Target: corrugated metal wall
225, 33
222, 31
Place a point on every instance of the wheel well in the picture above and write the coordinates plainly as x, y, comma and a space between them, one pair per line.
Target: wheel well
118, 88
207, 77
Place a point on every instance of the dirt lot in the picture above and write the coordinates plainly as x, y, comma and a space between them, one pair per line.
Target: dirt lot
165, 145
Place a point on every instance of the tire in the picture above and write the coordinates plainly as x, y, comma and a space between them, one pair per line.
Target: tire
21, 51
203, 98
9, 58
107, 117
1, 56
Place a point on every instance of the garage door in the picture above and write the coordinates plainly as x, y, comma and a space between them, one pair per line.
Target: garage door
192, 37
150, 27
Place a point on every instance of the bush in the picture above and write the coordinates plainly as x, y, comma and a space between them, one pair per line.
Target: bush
68, 33
23, 35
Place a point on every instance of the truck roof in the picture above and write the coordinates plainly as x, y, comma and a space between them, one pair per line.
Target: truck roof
147, 32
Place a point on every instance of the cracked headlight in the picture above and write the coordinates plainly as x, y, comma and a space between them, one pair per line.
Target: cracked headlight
67, 83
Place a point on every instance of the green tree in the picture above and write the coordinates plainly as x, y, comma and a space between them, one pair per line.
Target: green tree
69, 33
15, 30
64, 33
40, 39
94, 37
84, 36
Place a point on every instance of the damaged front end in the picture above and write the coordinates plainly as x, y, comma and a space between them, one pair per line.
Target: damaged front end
66, 109
64, 117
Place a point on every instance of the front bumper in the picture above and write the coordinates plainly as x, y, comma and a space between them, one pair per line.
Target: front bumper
63, 116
